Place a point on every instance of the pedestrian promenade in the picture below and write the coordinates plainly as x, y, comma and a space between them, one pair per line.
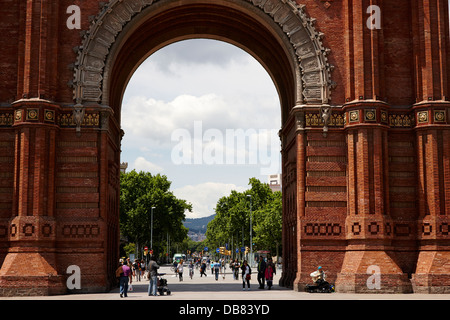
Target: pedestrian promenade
207, 288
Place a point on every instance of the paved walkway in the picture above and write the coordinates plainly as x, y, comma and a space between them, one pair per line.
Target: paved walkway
201, 288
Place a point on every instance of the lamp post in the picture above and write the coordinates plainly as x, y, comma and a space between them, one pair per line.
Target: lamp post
151, 230
251, 231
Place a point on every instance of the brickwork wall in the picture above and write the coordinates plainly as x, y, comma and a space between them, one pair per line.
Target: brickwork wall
6, 184
370, 185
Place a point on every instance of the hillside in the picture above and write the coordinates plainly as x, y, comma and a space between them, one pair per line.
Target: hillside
198, 225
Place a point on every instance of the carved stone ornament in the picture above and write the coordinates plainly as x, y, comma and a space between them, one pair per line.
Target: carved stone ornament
299, 120
325, 114
78, 116
297, 26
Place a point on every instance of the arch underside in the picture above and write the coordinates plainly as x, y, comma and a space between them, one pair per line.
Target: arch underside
276, 32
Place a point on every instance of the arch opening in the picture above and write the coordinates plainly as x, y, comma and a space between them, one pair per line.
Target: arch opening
208, 91
193, 22
277, 33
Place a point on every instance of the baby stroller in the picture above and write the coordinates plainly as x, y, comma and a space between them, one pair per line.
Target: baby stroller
162, 285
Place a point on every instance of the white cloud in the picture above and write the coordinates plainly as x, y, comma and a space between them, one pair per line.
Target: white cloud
208, 81
141, 164
156, 119
204, 196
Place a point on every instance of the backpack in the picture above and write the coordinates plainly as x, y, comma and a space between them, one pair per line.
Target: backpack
119, 272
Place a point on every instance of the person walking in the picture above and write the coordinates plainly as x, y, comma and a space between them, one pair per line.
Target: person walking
152, 275
270, 271
175, 265
236, 267
191, 269
223, 268
261, 272
142, 269
203, 269
246, 275
136, 270
125, 275
216, 269
180, 270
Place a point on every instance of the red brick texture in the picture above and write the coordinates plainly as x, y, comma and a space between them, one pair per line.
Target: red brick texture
372, 190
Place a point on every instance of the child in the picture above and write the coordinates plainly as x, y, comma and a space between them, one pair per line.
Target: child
269, 275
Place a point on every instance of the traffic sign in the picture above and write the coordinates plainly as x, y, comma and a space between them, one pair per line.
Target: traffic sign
206, 249
218, 250
146, 248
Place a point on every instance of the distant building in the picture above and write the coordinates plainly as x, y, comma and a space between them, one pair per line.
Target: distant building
275, 182
123, 167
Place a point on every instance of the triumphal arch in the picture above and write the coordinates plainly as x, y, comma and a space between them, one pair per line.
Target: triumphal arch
365, 133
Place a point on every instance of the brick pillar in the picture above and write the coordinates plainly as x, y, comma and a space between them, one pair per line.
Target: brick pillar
368, 223
300, 146
290, 195
30, 267
432, 88
432, 274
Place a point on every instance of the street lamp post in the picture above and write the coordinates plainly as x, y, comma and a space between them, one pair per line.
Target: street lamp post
251, 231
151, 230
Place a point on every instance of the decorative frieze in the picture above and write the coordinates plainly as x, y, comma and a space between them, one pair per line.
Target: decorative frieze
401, 121
315, 120
114, 16
66, 119
81, 231
6, 119
323, 229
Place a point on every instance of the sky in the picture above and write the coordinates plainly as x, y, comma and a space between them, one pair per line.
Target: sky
206, 114
189, 112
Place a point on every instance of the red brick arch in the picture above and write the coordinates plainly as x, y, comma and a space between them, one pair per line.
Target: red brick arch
366, 169
278, 34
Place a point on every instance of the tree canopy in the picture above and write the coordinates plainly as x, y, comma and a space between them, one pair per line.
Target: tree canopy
139, 192
232, 220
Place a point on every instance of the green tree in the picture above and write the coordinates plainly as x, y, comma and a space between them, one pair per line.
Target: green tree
232, 220
139, 192
269, 225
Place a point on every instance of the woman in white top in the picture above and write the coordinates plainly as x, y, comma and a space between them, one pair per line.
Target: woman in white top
180, 270
246, 275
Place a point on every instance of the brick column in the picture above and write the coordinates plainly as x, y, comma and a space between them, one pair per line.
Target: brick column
289, 139
300, 146
368, 223
432, 274
30, 265
432, 91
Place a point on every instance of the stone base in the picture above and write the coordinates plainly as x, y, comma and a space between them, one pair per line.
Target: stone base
361, 269
432, 272
431, 283
29, 274
11, 286
304, 279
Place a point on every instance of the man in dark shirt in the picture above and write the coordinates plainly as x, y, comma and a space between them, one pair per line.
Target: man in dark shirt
153, 272
261, 272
